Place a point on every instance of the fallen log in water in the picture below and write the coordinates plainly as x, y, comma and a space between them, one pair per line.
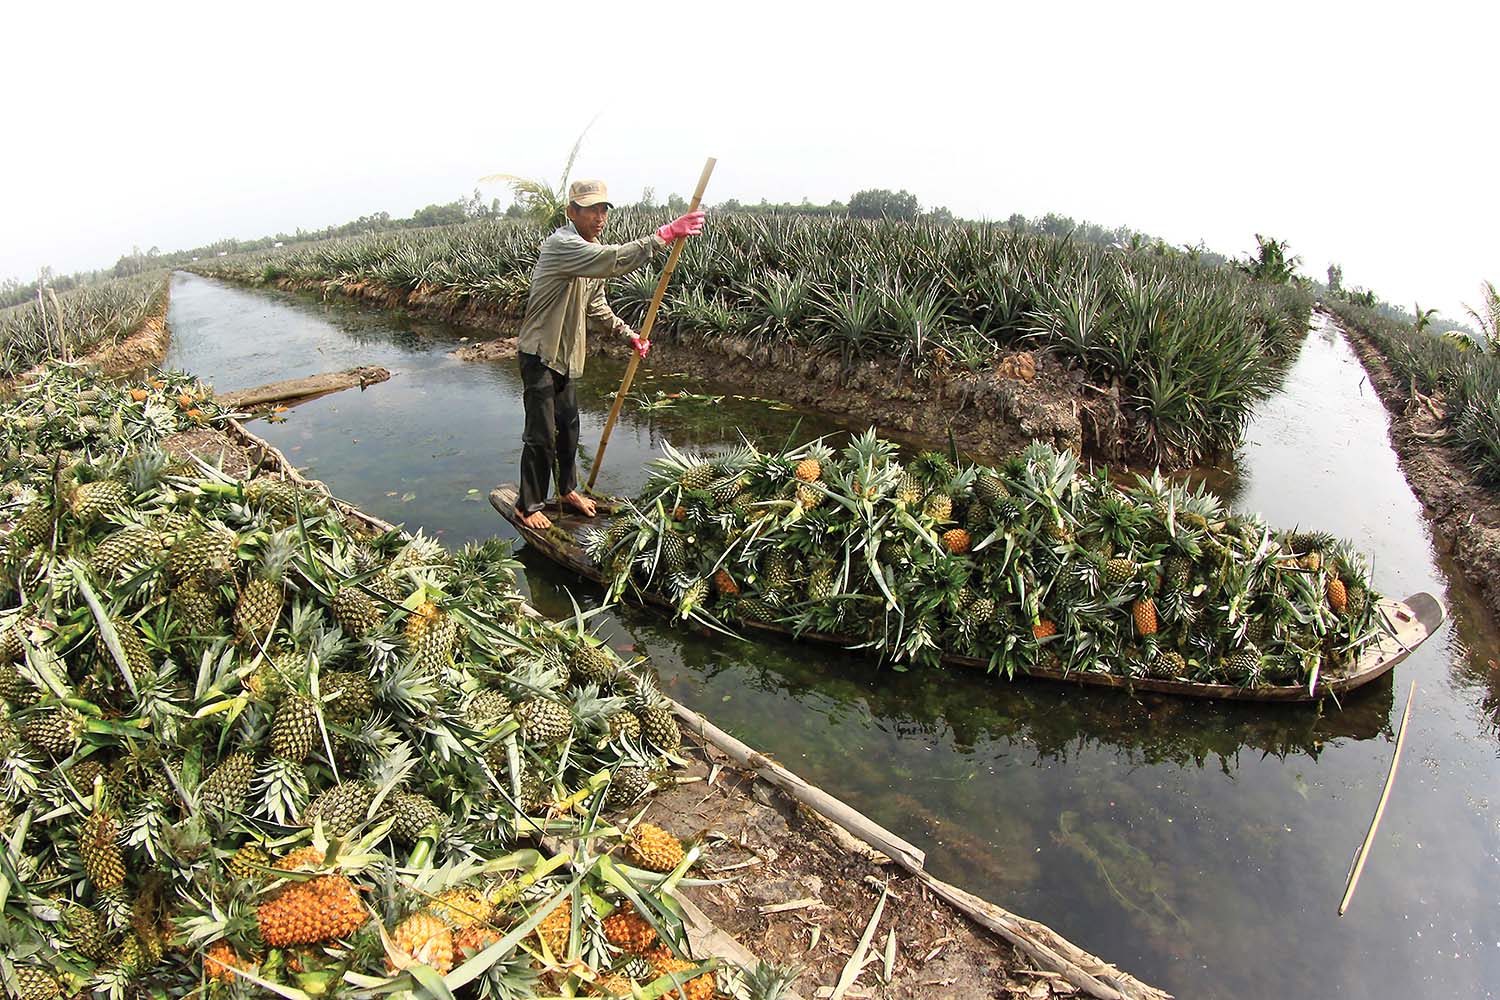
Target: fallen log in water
299, 389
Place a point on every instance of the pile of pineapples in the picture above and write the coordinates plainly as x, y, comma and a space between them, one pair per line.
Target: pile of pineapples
1032, 564
249, 742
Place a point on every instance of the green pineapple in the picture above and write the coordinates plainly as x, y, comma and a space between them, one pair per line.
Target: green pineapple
99, 850
1177, 571
673, 549
33, 527
981, 611
413, 814
990, 488
35, 983
658, 723
755, 609
487, 707
294, 730
627, 785
821, 585
1167, 664
545, 720
348, 697
101, 499
341, 808
224, 790
909, 490
693, 595
776, 570
131, 547
1243, 666
131, 643
259, 605
1119, 571
723, 491
355, 612
698, 476
429, 633
85, 929
15, 689
205, 552
275, 496
247, 861
624, 723
938, 470
53, 730
591, 664
197, 606
939, 506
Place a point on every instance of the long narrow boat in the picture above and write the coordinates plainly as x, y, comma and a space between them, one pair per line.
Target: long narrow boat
1408, 624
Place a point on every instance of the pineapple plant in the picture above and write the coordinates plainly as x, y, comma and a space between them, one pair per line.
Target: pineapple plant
247, 862
809, 469
654, 849
221, 962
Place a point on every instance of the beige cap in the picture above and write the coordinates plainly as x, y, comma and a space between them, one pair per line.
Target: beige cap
586, 193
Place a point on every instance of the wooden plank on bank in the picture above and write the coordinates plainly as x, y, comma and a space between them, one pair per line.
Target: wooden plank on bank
299, 390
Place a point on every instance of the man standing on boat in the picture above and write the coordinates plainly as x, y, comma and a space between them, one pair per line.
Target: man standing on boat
567, 294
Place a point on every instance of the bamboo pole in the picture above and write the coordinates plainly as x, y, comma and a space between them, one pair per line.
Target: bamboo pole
1364, 849
645, 334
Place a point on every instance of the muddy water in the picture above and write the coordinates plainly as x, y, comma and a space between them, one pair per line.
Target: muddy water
1203, 847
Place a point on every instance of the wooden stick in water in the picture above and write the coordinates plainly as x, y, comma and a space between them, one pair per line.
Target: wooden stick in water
1364, 849
645, 332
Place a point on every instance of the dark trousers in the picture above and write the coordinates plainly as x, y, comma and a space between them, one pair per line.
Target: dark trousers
549, 442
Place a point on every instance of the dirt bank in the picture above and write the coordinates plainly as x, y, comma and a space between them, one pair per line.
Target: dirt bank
1464, 514
146, 345
990, 412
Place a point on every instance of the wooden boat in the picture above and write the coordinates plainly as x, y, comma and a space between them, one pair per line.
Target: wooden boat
1409, 624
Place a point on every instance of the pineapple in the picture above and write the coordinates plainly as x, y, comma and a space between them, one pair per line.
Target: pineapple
204, 552
462, 906
724, 491
247, 861
776, 570
821, 585
627, 785
34, 983
1119, 571
132, 546
545, 721
990, 488
221, 961
699, 476
197, 607
556, 929
1177, 571
429, 634
697, 988
259, 604
87, 931
276, 496
629, 931
956, 541
53, 731
624, 723
413, 816
1243, 665
658, 723
319, 909
1168, 664
487, 707
426, 940
654, 849
348, 697
225, 789
673, 549
591, 664
99, 850
809, 470
294, 730
1044, 629
724, 583
341, 808
134, 647
104, 498
356, 614
1338, 595
939, 506
909, 490
1143, 611
809, 496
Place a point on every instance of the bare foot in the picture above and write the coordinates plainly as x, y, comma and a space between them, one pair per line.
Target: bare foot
536, 520
580, 503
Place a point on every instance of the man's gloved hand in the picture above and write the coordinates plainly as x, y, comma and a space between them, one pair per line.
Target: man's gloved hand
641, 346
687, 225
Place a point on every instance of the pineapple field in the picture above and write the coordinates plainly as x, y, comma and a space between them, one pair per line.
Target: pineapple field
1033, 564
1179, 351
85, 320
253, 740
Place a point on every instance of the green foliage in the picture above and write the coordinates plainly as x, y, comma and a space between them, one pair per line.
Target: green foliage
1271, 262
82, 318
879, 203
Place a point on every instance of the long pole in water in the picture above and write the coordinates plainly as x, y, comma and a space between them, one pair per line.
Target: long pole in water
1364, 849
645, 333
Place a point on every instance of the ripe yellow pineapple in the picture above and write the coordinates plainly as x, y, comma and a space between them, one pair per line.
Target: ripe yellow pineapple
956, 541
697, 988
724, 583
1043, 629
655, 849
628, 930
463, 906
1338, 594
319, 909
429, 632
426, 940
809, 470
474, 938
1144, 613
221, 961
556, 928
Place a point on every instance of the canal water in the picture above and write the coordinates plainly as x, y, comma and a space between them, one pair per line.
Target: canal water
1203, 847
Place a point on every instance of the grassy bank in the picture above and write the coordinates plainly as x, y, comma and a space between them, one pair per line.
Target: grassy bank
1189, 348
77, 322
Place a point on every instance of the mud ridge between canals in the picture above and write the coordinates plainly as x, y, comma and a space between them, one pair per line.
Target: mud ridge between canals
1017, 398
1464, 514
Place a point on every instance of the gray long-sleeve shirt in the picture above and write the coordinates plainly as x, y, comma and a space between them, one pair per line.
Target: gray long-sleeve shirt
567, 292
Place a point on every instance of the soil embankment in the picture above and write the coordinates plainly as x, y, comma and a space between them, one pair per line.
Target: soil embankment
992, 411
1464, 514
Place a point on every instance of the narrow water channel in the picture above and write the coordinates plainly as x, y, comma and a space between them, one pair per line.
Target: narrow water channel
1203, 847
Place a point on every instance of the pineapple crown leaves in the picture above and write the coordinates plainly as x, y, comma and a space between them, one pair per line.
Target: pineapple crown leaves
593, 709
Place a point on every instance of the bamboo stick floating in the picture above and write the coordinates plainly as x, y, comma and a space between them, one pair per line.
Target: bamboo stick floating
1364, 849
645, 332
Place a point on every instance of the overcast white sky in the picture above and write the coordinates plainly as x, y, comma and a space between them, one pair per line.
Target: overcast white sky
1361, 133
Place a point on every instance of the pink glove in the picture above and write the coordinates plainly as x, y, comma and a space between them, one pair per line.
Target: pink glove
688, 225
641, 346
